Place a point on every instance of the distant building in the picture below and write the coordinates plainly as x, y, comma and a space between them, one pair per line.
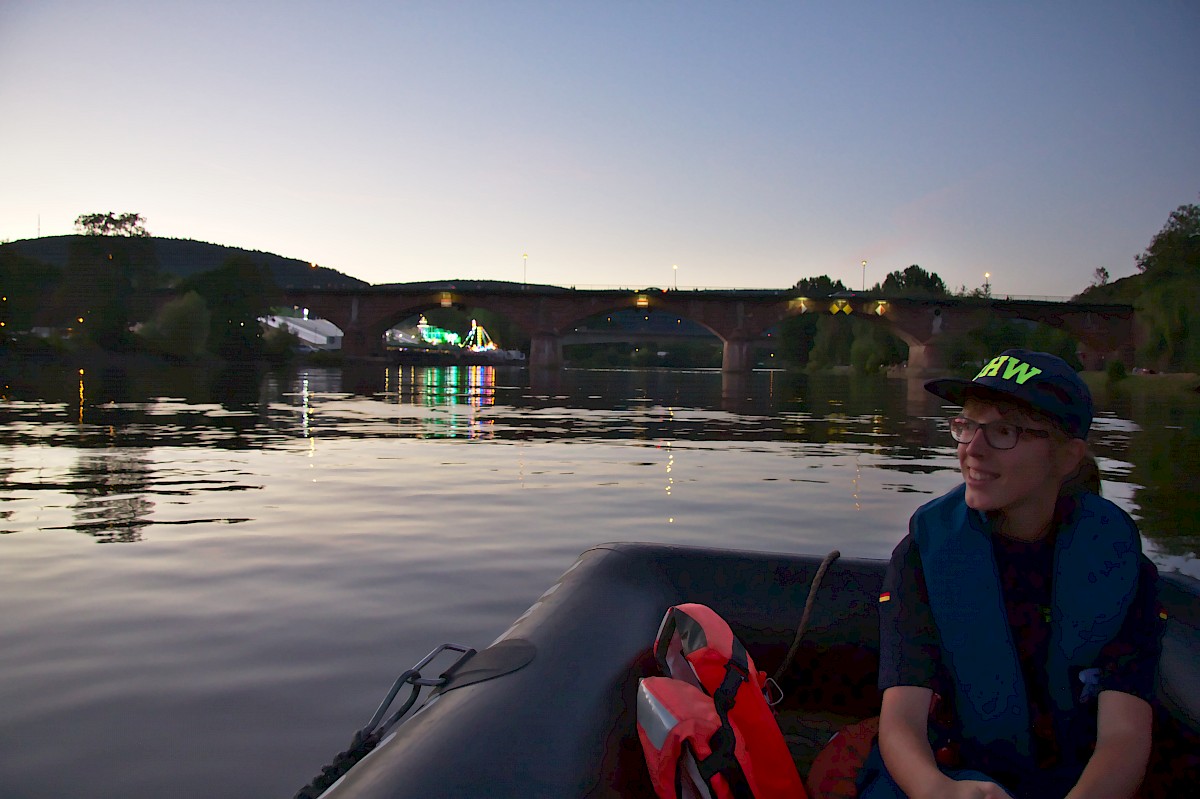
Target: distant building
320, 334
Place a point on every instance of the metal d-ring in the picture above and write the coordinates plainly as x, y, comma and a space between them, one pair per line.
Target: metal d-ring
413, 677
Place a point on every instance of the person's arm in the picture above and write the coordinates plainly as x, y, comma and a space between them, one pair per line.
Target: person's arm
904, 744
1116, 768
1124, 718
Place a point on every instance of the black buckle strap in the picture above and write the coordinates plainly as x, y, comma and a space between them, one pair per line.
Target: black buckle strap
723, 742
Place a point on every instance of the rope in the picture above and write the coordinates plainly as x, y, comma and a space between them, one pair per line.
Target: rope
360, 747
364, 741
369, 736
808, 606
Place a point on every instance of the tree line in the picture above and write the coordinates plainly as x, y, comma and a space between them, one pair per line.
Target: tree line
822, 341
1165, 294
108, 297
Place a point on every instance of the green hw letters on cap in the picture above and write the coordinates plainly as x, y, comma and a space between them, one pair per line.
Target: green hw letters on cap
1015, 368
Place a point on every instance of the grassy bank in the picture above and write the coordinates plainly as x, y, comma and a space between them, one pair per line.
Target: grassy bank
1175, 384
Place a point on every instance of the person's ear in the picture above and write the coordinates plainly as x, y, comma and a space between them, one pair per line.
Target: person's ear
1072, 454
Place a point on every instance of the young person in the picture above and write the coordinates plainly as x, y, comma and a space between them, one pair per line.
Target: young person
1019, 629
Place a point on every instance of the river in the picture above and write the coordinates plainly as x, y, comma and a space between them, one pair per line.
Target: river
210, 579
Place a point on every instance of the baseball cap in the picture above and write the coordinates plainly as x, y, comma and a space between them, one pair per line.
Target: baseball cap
1039, 380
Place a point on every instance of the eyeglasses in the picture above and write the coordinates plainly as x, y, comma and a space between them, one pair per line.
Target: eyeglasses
999, 434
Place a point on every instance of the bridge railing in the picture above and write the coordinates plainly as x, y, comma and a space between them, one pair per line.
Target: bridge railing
505, 287
869, 294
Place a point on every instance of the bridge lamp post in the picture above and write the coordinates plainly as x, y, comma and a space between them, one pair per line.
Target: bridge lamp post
524, 268
987, 287
864, 266
675, 271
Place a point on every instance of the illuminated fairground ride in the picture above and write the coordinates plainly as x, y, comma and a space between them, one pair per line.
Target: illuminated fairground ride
427, 337
478, 339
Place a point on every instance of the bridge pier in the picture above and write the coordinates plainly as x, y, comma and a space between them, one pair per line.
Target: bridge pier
737, 356
545, 351
355, 343
925, 359
735, 391
1096, 358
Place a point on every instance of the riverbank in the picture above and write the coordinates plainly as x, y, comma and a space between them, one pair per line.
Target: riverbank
1172, 384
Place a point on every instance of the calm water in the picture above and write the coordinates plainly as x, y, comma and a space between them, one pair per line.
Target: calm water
209, 580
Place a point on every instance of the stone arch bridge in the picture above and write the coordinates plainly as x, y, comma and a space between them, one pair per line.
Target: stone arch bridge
740, 318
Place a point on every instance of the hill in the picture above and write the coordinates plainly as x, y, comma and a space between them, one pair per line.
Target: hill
186, 257
1125, 289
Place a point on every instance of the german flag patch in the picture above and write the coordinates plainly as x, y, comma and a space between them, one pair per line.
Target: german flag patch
886, 596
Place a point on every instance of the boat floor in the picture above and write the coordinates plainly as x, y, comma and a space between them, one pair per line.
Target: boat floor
807, 732
826, 688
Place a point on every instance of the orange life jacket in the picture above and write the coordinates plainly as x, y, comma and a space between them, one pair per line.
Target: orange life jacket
710, 718
835, 769
689, 750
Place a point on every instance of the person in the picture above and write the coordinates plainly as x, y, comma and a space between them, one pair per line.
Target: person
1019, 627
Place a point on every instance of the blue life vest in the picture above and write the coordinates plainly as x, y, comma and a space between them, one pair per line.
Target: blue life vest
1094, 583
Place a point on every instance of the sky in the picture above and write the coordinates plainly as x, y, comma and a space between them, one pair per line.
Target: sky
601, 144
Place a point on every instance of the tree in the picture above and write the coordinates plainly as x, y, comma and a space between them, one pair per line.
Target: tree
1176, 248
914, 282
972, 348
106, 284
1168, 311
24, 286
831, 342
237, 293
110, 224
798, 335
1170, 293
821, 286
874, 348
978, 291
1100, 276
180, 329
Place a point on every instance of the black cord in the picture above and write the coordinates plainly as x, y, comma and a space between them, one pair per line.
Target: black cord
808, 606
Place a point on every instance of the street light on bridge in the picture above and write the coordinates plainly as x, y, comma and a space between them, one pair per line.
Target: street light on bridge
987, 287
524, 268
864, 265
675, 271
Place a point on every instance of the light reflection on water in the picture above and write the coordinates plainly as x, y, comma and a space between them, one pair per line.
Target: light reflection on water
276, 550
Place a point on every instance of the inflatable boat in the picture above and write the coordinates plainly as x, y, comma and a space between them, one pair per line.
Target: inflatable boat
548, 709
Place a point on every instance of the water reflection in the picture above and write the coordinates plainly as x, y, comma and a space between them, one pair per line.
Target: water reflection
6, 473
431, 387
109, 488
1146, 447
1159, 455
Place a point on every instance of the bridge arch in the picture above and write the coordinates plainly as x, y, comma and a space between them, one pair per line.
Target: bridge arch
508, 333
637, 327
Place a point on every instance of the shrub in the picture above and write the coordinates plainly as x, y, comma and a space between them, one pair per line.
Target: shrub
1115, 371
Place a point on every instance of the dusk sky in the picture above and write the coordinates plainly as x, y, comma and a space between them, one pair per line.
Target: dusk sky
748, 144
